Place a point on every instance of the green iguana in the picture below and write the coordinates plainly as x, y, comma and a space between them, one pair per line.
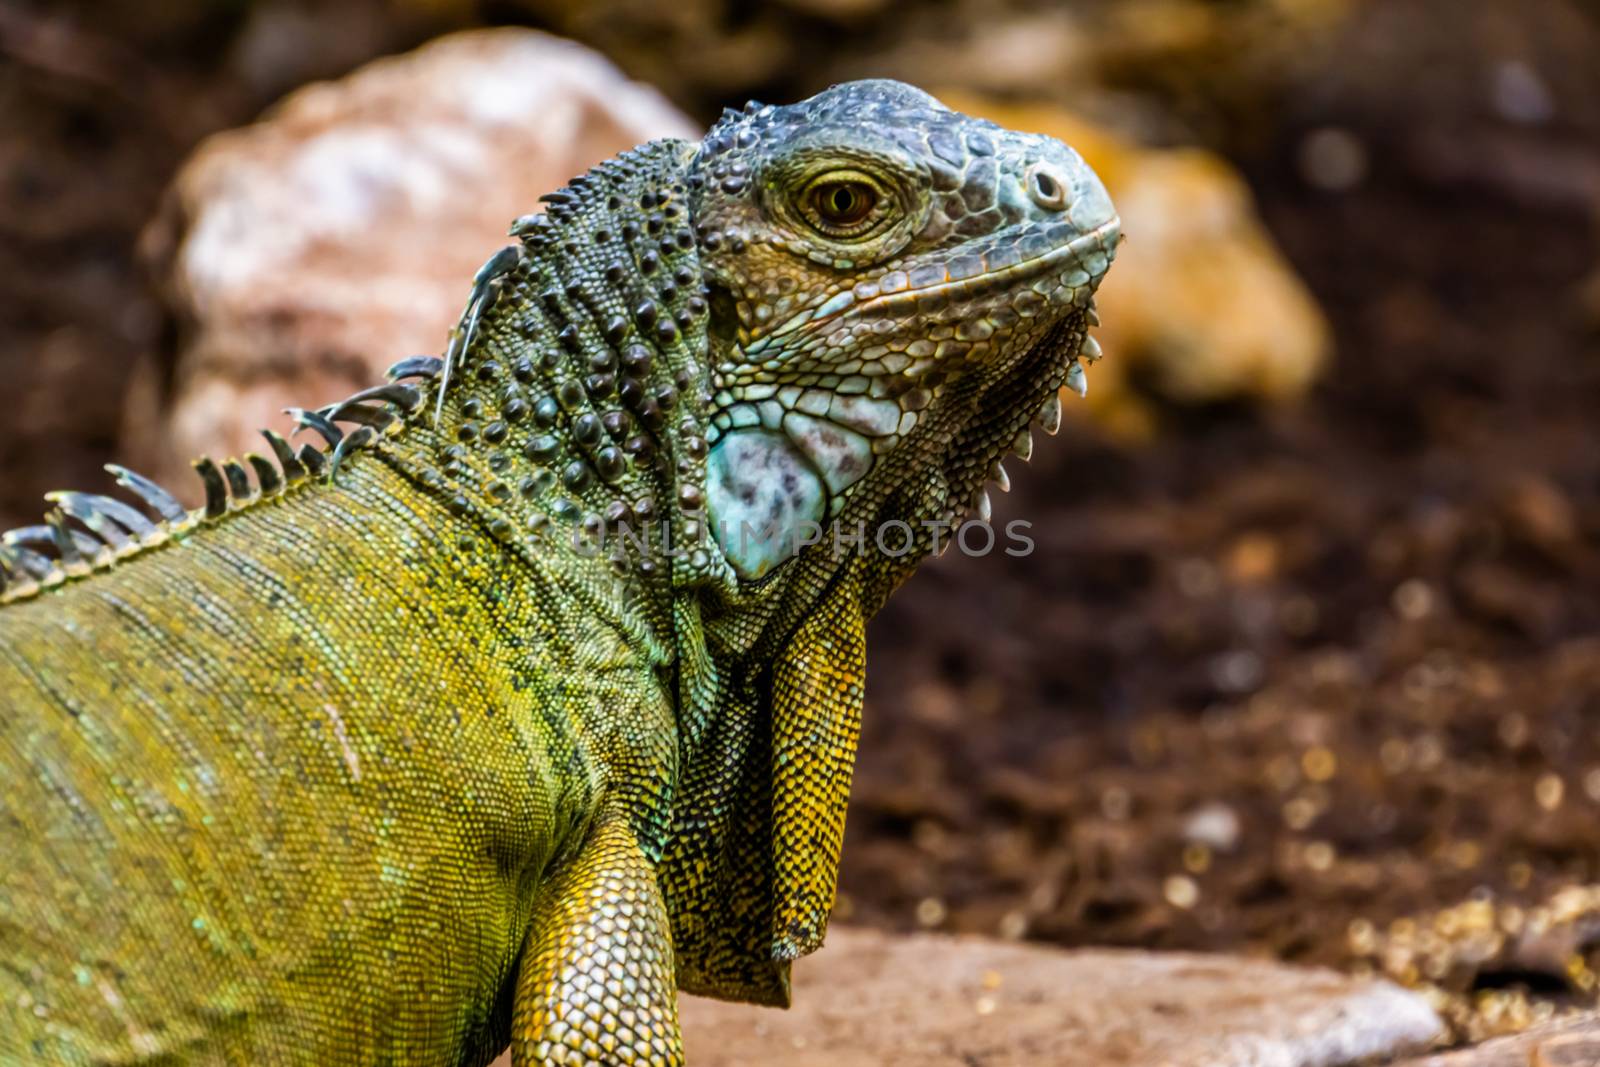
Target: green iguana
532, 696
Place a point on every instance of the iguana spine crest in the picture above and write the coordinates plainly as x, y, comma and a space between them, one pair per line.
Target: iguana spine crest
87, 533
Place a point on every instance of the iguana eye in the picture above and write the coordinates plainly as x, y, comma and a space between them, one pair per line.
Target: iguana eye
842, 205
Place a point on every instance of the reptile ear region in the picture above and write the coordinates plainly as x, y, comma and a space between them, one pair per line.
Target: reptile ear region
1047, 186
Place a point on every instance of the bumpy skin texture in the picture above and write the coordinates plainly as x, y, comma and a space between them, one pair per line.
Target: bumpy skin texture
480, 727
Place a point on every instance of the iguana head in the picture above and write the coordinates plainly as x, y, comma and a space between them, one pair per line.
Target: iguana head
896, 288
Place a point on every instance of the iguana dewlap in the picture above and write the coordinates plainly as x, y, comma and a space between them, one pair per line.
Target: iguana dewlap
532, 695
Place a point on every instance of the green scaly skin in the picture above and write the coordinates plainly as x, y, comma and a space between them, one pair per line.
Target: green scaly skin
481, 727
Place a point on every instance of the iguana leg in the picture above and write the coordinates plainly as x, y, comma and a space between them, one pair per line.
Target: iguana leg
595, 986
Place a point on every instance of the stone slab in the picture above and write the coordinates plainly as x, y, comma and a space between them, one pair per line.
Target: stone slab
1569, 1043
869, 999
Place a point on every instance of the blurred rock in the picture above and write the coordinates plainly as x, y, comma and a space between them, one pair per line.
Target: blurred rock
1571, 1043
1202, 306
303, 254
869, 999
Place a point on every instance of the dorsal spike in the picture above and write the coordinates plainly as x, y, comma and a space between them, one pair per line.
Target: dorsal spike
216, 487
317, 421
379, 418
293, 469
315, 463
404, 397
239, 488
105, 515
38, 535
358, 438
485, 291
502, 262
266, 474
159, 500
525, 224
416, 367
23, 571
444, 374
109, 532
79, 553
483, 296
61, 538
34, 564
41, 568
15, 581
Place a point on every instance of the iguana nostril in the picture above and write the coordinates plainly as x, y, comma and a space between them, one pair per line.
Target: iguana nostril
1046, 186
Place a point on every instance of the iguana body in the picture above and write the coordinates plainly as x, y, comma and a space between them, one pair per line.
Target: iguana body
384, 757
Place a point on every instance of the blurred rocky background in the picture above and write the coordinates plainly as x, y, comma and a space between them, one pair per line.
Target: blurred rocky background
1307, 660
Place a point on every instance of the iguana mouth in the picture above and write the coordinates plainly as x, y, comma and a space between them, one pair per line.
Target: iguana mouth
1003, 276
995, 270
